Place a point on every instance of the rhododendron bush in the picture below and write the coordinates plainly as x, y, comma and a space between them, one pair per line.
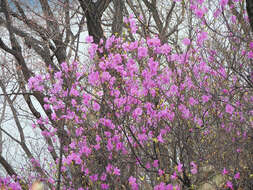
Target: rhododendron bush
147, 115
158, 118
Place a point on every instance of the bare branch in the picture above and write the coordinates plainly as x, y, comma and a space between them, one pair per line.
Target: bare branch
93, 13
152, 7
249, 4
118, 17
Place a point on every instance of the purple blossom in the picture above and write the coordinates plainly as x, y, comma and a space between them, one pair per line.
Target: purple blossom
89, 39
225, 171
142, 52
205, 98
137, 112
180, 167
155, 163
194, 169
230, 185
192, 101
229, 109
132, 182
103, 176
250, 55
223, 3
96, 106
201, 37
153, 42
93, 78
104, 186
237, 175
186, 41
116, 171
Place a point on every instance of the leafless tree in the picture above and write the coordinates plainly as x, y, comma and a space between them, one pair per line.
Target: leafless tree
53, 33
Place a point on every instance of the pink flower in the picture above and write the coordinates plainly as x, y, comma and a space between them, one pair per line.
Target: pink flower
98, 138
153, 66
229, 185
173, 89
169, 187
180, 167
202, 37
104, 186
225, 171
233, 19
109, 42
200, 1
250, 55
109, 168
186, 41
97, 146
93, 78
204, 67
72, 144
36, 83
160, 138
148, 165
58, 75
192, 101
165, 49
94, 177
86, 171
237, 175
142, 52
243, 52
89, 39
205, 98
117, 59
102, 65
199, 12
86, 150
174, 176
74, 92
160, 172
229, 109
65, 67
155, 163
223, 3
132, 182
116, 171
109, 145
186, 113
194, 169
217, 13
133, 26
142, 137
103, 177
137, 112
53, 116
92, 50
96, 106
251, 45
161, 186
105, 76
153, 42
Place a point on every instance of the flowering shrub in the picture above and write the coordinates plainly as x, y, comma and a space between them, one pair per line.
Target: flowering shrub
148, 118
145, 116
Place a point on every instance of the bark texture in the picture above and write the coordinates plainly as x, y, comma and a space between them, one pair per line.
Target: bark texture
249, 4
